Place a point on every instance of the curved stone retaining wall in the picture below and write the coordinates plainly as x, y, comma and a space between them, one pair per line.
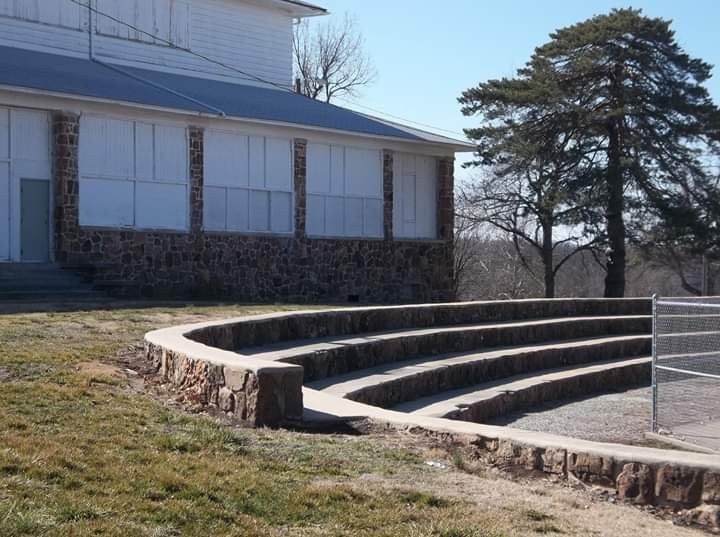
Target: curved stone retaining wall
343, 359
257, 391
640, 475
595, 382
507, 364
199, 359
235, 334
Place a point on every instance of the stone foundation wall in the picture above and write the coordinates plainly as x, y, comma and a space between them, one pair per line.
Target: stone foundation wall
197, 264
246, 268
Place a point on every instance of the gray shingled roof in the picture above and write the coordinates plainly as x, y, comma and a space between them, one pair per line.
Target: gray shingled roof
83, 77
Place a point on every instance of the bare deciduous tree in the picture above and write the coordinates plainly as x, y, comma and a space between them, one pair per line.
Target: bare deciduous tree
465, 249
529, 205
330, 60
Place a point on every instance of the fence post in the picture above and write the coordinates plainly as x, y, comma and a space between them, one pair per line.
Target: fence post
654, 364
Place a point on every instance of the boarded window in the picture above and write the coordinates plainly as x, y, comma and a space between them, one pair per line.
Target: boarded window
415, 197
133, 174
150, 21
345, 193
56, 12
248, 183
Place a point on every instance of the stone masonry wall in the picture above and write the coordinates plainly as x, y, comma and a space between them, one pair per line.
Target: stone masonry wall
446, 199
388, 194
246, 267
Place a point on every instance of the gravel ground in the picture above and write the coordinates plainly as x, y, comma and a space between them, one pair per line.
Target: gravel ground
618, 417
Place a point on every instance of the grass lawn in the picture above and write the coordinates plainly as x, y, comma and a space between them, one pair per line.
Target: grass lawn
84, 452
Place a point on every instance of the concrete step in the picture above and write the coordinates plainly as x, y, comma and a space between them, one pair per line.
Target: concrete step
489, 400
40, 295
391, 384
330, 356
55, 281
28, 267
50, 279
22, 271
40, 282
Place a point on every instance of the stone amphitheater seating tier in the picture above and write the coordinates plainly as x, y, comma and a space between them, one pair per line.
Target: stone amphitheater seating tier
391, 384
428, 363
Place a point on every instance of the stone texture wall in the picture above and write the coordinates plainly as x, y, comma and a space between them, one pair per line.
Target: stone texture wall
388, 194
394, 391
269, 397
446, 199
242, 267
327, 323
65, 134
300, 186
691, 491
196, 140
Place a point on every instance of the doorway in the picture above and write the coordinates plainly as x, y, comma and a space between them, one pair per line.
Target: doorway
34, 220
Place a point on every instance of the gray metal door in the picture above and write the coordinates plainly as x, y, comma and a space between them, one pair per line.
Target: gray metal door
35, 220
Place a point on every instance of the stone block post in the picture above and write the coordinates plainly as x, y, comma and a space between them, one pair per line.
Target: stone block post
300, 186
65, 140
446, 199
388, 195
196, 160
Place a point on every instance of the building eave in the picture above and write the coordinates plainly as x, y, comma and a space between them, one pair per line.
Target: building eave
301, 9
447, 148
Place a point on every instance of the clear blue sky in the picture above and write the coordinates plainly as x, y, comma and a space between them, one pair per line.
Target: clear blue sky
427, 52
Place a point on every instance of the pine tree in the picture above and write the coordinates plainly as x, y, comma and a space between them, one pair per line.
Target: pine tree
635, 105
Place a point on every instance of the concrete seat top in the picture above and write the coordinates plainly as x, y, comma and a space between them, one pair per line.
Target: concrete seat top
286, 350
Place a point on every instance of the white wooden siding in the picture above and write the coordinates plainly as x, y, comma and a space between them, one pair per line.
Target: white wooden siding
24, 154
250, 37
133, 174
344, 191
248, 183
415, 197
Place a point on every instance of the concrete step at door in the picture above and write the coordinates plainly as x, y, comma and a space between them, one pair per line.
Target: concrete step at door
44, 281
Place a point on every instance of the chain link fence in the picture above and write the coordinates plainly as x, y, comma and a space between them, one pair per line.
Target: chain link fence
686, 369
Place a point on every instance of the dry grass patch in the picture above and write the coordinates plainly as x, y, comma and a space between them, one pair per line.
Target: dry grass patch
83, 452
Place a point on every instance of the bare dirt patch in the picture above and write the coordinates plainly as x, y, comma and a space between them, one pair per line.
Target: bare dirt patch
101, 372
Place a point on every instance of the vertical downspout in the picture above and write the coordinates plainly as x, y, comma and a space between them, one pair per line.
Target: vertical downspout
654, 364
91, 30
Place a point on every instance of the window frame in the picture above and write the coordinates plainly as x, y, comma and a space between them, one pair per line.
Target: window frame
344, 196
134, 178
250, 188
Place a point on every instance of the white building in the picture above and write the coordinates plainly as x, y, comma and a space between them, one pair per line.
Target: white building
159, 141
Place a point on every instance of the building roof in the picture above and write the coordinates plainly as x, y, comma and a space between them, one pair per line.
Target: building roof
79, 77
